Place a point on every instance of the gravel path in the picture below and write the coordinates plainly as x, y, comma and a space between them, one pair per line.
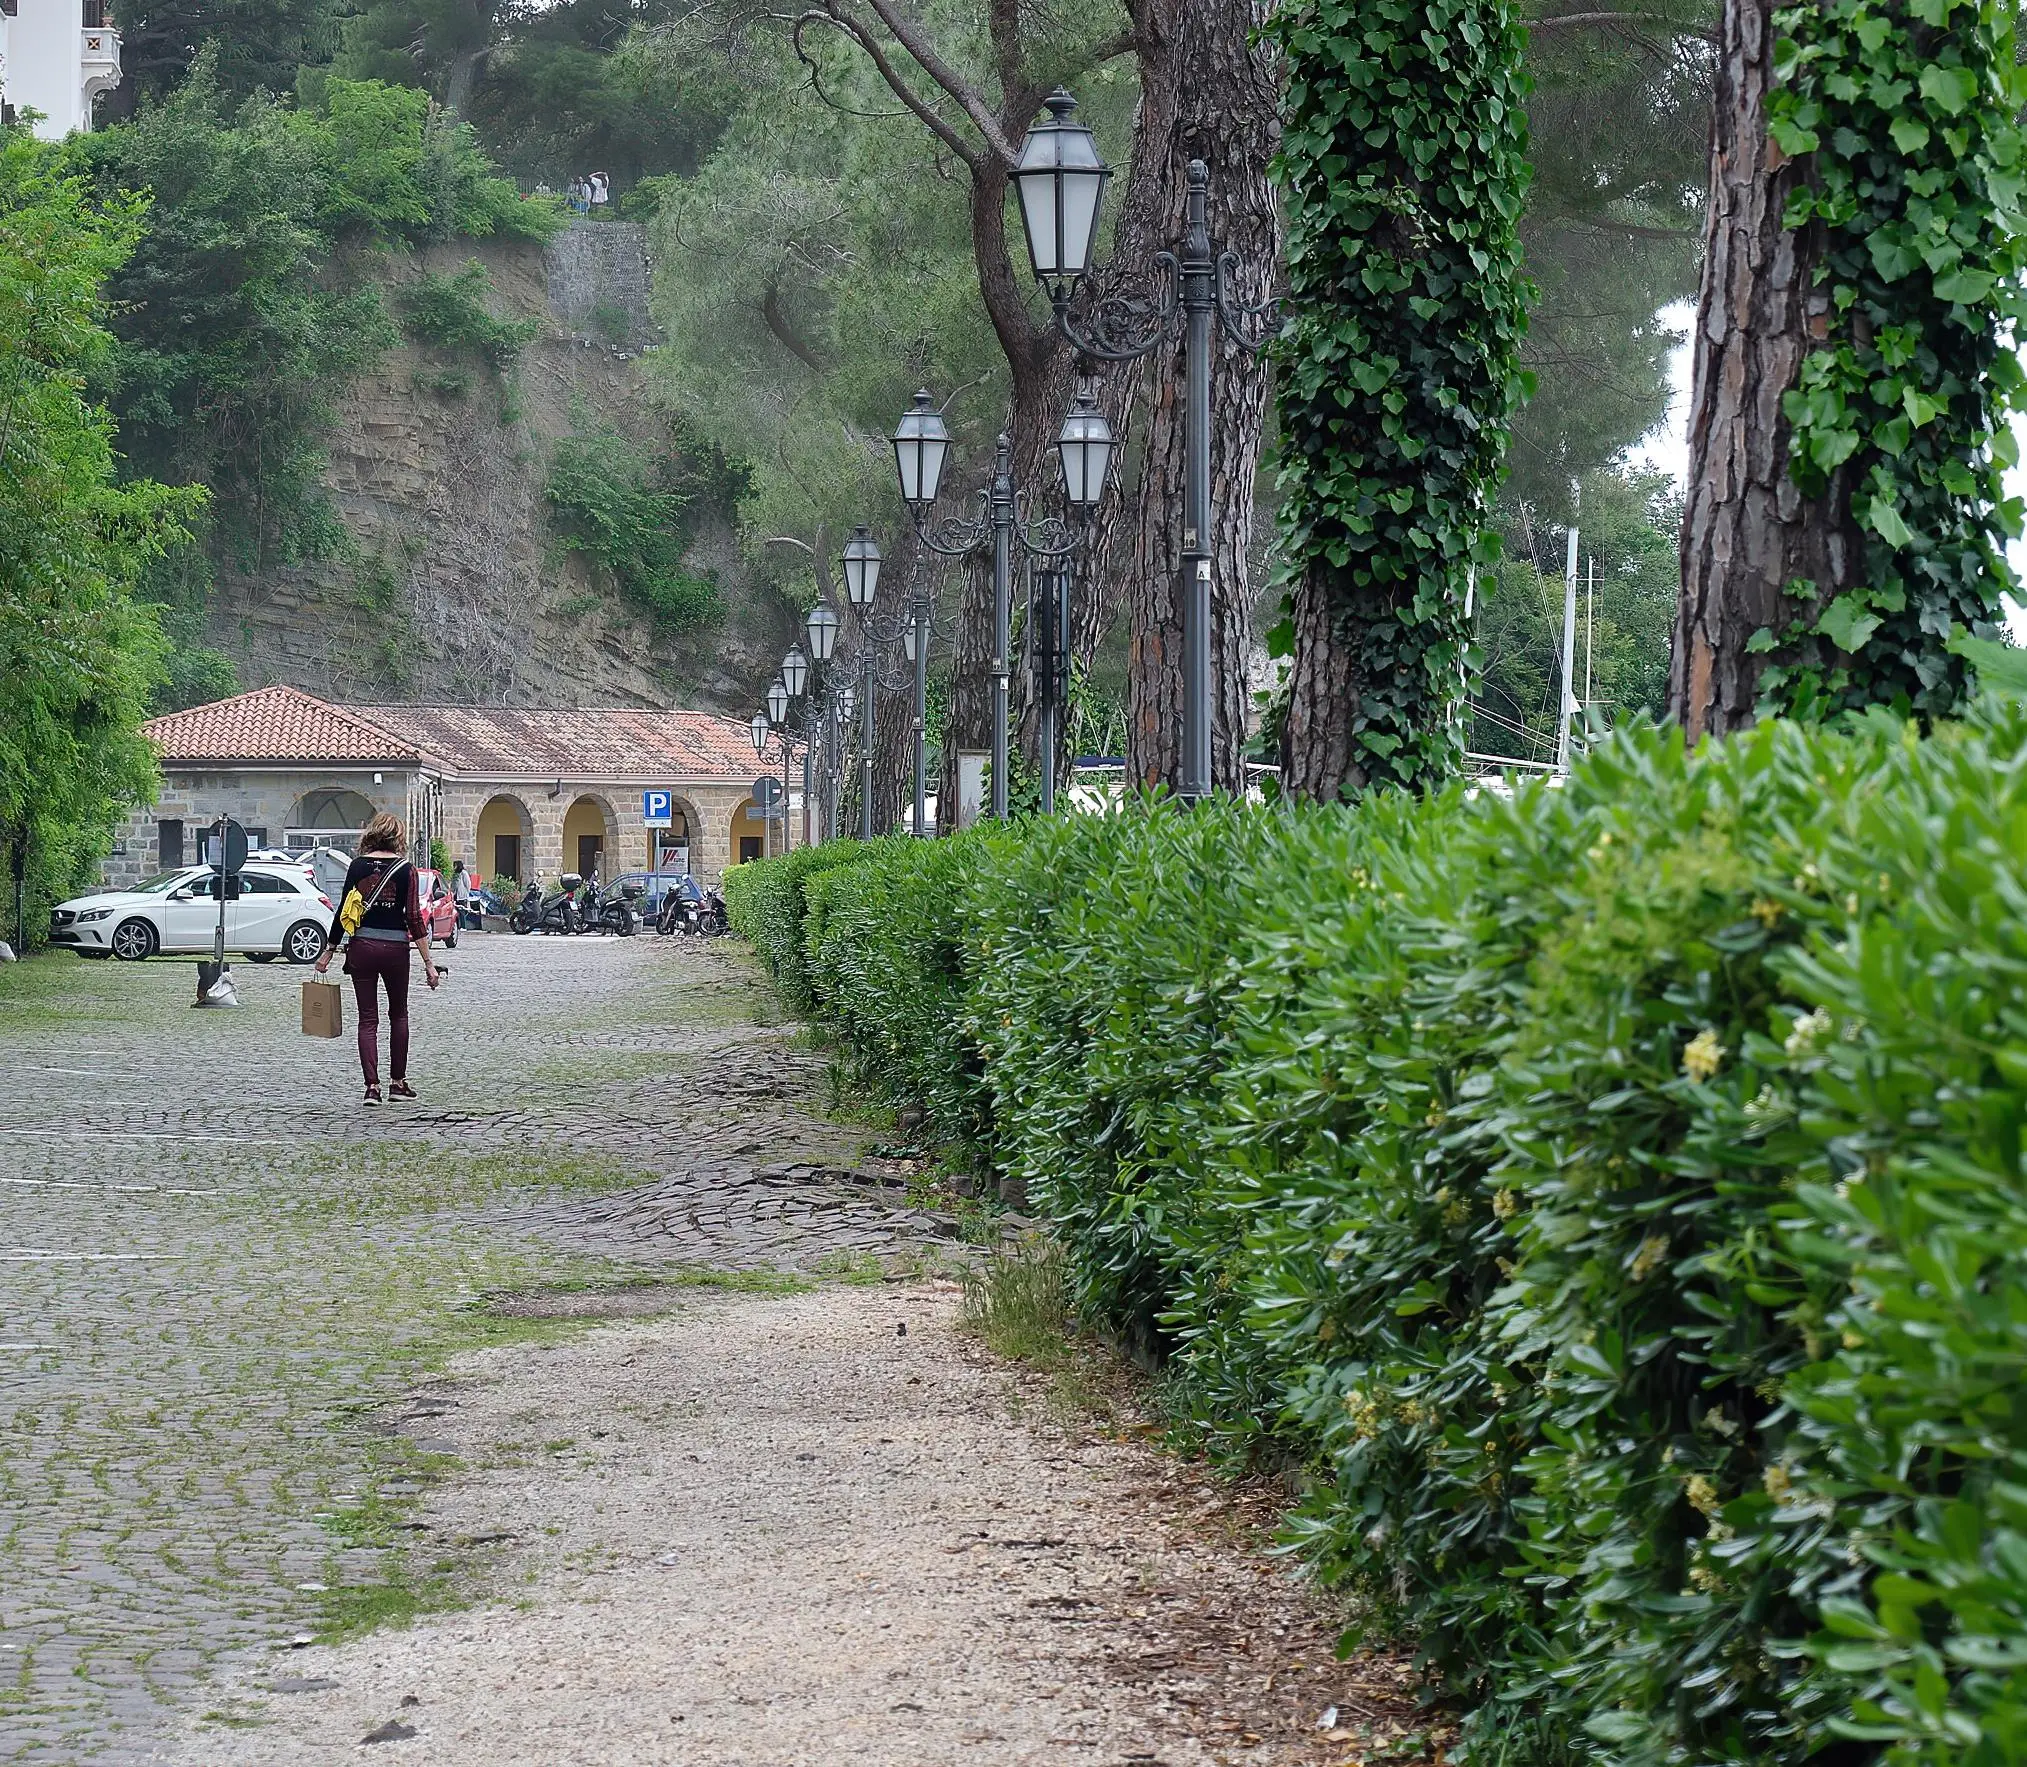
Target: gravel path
777, 1532
213, 1260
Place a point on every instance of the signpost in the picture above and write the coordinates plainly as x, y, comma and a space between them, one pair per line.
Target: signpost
225, 853
767, 800
657, 810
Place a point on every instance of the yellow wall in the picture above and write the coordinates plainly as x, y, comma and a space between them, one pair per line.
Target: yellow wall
747, 822
500, 816
586, 817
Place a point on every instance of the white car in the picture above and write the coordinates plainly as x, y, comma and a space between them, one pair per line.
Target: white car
280, 913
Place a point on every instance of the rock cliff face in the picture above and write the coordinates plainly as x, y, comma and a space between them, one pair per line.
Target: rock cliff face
453, 588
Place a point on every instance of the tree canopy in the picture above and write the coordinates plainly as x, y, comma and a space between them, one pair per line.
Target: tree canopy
80, 654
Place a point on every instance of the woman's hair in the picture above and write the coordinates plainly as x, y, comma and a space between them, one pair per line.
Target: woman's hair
384, 834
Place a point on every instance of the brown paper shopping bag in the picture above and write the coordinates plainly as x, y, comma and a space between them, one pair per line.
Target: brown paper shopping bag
323, 1008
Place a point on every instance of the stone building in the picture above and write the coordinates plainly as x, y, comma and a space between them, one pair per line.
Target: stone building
56, 57
516, 793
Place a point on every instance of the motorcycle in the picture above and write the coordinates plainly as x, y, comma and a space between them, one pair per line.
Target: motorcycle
699, 917
614, 913
551, 914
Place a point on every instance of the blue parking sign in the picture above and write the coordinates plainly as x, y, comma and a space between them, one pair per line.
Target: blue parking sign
658, 808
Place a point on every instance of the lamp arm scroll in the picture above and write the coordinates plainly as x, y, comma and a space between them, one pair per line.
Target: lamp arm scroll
1123, 327
952, 536
1237, 317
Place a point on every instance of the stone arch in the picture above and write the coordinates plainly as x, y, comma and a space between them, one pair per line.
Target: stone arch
684, 836
748, 826
329, 816
503, 839
591, 836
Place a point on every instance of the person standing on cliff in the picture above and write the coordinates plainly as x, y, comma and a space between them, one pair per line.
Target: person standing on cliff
379, 917
601, 188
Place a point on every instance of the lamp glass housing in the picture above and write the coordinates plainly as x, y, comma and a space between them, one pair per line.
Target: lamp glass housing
1084, 446
822, 627
848, 702
921, 446
795, 671
777, 700
909, 640
1061, 182
861, 566
759, 733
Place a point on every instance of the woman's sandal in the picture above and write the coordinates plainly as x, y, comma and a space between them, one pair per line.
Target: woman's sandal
372, 1094
401, 1089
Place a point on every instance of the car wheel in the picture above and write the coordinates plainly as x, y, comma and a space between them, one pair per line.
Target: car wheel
305, 942
450, 941
134, 940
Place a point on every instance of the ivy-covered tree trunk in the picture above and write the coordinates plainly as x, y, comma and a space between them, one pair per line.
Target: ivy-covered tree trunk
1402, 157
1862, 258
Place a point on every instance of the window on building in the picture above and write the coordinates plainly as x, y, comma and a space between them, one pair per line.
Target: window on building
169, 841
256, 837
749, 847
507, 856
94, 15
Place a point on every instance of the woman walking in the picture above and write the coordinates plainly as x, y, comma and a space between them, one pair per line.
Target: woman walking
376, 948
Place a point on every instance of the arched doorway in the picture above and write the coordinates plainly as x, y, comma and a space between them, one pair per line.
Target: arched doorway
590, 834
749, 834
331, 816
504, 834
676, 851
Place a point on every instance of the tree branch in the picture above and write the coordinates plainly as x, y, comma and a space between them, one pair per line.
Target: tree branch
790, 339
910, 37
1570, 21
832, 14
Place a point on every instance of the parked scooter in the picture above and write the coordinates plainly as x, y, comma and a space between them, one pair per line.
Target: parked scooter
693, 912
682, 903
551, 914
614, 913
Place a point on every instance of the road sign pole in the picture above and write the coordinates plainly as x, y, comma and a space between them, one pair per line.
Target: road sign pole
228, 856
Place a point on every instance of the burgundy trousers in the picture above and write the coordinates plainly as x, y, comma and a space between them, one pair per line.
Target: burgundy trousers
369, 962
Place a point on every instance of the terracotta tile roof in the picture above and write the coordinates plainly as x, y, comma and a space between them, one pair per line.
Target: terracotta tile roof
274, 724
653, 746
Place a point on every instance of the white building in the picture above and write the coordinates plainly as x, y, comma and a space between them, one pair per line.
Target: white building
56, 56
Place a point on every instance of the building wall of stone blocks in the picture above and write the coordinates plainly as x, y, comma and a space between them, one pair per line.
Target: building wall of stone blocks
709, 808
262, 800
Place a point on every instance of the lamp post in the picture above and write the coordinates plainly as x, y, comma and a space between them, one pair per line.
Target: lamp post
1060, 179
758, 731
861, 565
921, 451
822, 629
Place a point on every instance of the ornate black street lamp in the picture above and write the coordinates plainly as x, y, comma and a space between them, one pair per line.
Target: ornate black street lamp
861, 566
921, 450
1060, 179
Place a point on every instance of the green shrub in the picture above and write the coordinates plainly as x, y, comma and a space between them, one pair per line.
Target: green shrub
765, 904
450, 313
1607, 1195
627, 511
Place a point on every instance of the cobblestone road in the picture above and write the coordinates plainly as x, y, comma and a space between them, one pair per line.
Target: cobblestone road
213, 1263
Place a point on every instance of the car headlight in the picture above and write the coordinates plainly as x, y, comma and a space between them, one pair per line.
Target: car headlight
94, 914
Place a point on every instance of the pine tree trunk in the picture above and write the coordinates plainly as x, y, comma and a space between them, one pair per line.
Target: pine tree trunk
1209, 94
1747, 532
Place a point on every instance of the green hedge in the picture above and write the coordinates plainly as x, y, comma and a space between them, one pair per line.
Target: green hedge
1608, 1196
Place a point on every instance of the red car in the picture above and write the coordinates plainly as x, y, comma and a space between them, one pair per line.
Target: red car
438, 908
